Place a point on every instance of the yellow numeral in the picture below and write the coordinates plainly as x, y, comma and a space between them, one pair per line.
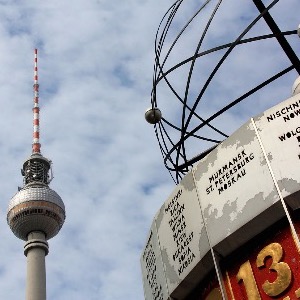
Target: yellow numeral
246, 275
284, 274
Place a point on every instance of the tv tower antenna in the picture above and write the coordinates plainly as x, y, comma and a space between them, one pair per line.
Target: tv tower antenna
36, 146
36, 213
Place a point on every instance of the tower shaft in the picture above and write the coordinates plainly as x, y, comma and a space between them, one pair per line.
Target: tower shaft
36, 249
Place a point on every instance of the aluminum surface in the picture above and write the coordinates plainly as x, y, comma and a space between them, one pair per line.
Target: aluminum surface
36, 208
41, 193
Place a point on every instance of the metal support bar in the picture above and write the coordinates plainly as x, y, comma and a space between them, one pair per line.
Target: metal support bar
280, 38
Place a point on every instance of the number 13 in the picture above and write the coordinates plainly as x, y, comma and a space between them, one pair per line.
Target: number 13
272, 289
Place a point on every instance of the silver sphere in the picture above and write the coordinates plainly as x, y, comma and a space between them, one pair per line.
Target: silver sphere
36, 208
153, 115
296, 86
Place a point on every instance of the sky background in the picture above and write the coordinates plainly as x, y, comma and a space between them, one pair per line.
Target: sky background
95, 64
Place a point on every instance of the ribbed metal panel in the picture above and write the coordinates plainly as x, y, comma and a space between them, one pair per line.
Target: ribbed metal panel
36, 208
39, 193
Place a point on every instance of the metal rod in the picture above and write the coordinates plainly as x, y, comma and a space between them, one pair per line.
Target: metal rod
36, 146
280, 38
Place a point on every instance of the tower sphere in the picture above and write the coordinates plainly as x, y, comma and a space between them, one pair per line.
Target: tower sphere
35, 207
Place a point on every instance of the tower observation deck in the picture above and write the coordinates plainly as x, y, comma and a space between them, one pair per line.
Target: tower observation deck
36, 213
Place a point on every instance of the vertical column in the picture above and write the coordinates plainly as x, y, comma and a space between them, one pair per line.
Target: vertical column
36, 248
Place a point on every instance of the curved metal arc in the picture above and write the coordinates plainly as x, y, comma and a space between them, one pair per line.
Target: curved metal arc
193, 135
171, 142
194, 58
286, 47
195, 159
159, 46
223, 59
232, 45
210, 78
173, 165
165, 30
182, 30
184, 128
221, 47
163, 145
258, 87
163, 35
195, 114
155, 130
249, 40
159, 74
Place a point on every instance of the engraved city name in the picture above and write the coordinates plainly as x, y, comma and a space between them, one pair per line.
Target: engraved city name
229, 173
288, 112
292, 133
151, 269
182, 237
289, 134
173, 201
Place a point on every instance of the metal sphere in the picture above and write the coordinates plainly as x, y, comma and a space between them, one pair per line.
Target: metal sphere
36, 208
296, 86
153, 115
217, 65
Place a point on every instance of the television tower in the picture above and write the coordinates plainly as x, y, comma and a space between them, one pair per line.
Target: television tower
36, 213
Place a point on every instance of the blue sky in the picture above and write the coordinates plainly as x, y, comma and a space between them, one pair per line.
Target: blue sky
95, 73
